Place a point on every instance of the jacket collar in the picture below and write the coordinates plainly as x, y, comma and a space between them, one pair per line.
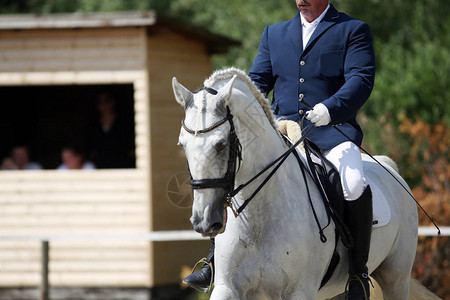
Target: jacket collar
295, 29
329, 20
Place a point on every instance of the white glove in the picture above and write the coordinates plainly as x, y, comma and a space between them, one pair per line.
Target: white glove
319, 116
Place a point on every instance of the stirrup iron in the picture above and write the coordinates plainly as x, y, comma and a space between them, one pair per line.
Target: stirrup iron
209, 288
358, 278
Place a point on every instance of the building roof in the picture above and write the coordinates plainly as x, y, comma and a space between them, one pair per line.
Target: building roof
215, 42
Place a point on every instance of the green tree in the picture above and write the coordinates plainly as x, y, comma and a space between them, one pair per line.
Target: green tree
242, 20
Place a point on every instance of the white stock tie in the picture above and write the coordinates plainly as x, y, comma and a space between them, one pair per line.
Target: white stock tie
308, 31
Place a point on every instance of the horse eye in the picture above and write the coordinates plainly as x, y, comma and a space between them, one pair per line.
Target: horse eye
220, 146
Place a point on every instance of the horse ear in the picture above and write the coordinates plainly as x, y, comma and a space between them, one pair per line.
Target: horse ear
182, 94
225, 91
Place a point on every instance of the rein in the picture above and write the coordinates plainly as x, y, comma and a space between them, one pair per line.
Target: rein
227, 182
280, 160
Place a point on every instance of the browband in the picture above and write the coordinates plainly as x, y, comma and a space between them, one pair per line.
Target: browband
208, 89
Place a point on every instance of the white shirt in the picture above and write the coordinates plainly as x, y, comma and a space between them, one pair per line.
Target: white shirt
86, 166
308, 28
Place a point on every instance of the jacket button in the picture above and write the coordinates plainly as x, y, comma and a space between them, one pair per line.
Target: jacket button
300, 97
302, 63
302, 80
301, 111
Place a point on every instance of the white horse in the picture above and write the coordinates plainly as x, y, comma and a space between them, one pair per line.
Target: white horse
272, 249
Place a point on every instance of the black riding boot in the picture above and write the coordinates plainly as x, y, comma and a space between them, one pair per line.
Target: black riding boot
202, 279
358, 217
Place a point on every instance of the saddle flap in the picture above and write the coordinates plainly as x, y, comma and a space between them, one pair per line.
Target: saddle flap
328, 176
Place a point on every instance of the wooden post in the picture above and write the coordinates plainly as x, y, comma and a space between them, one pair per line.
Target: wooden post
44, 271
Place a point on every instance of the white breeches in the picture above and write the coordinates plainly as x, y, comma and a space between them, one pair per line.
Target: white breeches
347, 159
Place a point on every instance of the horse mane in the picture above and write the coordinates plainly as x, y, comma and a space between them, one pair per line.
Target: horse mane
228, 73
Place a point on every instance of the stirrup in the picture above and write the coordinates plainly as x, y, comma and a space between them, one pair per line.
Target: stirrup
209, 288
358, 278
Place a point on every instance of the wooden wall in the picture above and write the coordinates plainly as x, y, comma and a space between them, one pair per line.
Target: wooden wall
71, 50
74, 202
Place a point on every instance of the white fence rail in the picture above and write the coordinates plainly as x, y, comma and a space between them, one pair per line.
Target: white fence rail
432, 231
155, 236
161, 236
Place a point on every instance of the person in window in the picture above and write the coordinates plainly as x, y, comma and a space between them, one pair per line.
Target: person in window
19, 159
73, 159
110, 142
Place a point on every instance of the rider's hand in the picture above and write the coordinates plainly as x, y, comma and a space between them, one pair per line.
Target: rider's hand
319, 116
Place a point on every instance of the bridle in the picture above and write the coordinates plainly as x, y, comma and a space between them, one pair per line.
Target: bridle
226, 182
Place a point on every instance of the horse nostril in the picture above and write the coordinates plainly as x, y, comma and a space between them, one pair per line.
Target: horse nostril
216, 226
195, 220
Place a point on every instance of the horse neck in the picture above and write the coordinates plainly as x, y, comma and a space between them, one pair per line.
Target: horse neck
261, 145
258, 136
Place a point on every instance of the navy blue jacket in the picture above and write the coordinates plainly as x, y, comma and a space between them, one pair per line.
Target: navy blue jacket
336, 68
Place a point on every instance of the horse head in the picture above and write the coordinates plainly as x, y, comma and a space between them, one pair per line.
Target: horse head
205, 138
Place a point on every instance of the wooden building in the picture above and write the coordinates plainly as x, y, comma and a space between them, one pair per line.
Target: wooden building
50, 68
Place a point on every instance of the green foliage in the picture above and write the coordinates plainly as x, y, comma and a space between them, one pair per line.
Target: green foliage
59, 6
242, 20
412, 65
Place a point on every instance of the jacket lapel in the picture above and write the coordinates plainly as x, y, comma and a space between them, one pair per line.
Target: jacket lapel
295, 33
329, 20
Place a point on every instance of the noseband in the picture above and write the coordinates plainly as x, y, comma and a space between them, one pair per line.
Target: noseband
227, 182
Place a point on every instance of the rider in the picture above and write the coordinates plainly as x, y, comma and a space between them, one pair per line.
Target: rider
325, 59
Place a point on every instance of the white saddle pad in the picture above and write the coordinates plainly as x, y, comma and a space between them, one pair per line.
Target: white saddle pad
381, 209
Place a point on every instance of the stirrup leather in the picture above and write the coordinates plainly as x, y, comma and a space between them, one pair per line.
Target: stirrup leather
209, 288
358, 278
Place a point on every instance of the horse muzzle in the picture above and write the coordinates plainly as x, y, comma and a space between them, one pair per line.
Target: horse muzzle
210, 225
